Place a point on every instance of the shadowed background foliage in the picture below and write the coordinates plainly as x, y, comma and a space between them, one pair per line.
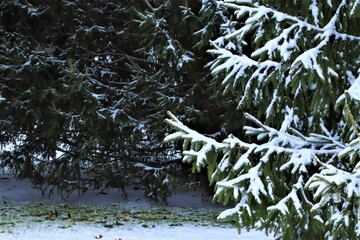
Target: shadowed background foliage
86, 86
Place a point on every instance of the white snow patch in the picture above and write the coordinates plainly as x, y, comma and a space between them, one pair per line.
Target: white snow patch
354, 90
315, 12
159, 232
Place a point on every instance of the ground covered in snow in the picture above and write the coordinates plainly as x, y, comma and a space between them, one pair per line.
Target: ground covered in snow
85, 222
27, 215
85, 232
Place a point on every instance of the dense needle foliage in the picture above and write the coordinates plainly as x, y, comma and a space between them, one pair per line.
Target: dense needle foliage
85, 86
293, 69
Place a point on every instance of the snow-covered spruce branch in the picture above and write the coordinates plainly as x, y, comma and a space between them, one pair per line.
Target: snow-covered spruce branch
201, 145
309, 57
287, 140
333, 187
286, 43
257, 12
300, 148
283, 67
302, 152
291, 197
331, 177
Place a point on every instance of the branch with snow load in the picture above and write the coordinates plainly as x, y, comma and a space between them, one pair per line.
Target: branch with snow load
233, 160
284, 171
341, 191
285, 52
279, 141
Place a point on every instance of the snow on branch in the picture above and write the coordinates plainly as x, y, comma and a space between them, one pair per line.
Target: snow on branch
302, 150
201, 145
309, 59
310, 56
356, 4
236, 210
287, 45
287, 140
258, 12
287, 51
291, 197
333, 186
329, 180
186, 133
353, 91
253, 176
315, 12
241, 167
237, 64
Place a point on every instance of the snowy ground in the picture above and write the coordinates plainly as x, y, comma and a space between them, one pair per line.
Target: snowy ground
18, 197
187, 232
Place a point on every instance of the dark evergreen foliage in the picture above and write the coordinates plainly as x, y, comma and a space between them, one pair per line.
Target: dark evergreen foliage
86, 85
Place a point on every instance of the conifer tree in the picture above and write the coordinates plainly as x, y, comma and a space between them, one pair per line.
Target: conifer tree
63, 115
85, 85
292, 67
